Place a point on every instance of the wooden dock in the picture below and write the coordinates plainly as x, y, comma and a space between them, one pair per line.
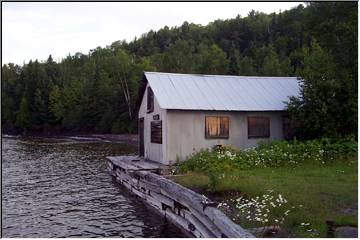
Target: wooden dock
136, 163
192, 212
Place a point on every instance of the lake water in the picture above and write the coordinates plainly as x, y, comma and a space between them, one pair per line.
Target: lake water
61, 188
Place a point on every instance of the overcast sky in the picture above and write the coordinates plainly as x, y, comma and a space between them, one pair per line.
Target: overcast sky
35, 30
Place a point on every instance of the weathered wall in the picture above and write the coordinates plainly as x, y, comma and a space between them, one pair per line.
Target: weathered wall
153, 151
186, 131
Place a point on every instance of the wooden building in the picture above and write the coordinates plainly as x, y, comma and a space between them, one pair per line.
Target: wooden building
180, 114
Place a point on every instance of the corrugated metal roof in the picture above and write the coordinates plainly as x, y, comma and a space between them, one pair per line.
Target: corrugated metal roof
221, 92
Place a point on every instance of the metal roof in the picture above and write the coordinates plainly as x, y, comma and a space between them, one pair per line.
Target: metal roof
221, 92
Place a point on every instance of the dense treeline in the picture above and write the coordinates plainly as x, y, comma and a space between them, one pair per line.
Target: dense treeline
97, 91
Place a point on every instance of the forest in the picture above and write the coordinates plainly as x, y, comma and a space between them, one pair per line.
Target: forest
97, 92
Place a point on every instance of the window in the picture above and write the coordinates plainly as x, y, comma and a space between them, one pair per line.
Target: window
156, 131
216, 127
258, 127
150, 100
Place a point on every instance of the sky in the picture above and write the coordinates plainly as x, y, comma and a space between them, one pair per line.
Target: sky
36, 30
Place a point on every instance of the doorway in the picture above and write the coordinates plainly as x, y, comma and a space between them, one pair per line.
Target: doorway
141, 137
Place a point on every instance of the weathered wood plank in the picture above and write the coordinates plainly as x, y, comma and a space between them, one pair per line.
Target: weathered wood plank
203, 229
153, 201
227, 227
147, 165
163, 199
123, 162
111, 171
124, 157
182, 222
110, 165
179, 193
141, 174
138, 193
125, 177
126, 166
118, 174
206, 222
133, 163
127, 185
122, 177
149, 186
155, 170
118, 179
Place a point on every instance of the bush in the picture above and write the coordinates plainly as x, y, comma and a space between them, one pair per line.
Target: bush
219, 160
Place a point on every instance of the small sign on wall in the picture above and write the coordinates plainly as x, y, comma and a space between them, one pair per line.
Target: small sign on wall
156, 117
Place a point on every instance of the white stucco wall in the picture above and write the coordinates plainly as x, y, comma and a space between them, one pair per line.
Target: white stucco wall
186, 131
153, 151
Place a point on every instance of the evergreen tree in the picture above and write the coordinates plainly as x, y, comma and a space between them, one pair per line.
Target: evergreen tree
233, 64
246, 67
39, 110
271, 65
23, 115
218, 63
91, 102
212, 60
179, 58
316, 109
56, 103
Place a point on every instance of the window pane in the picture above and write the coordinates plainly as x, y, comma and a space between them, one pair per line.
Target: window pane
258, 127
212, 126
150, 100
224, 126
216, 127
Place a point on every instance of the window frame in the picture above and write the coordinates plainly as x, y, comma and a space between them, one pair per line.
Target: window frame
268, 122
226, 136
150, 100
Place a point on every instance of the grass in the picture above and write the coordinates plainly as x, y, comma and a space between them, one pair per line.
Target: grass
326, 192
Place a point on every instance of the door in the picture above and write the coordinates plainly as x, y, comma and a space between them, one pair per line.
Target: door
141, 136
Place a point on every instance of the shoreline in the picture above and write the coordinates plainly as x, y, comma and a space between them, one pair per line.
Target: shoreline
129, 139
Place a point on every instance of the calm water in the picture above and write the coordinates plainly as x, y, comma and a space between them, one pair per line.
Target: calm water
59, 188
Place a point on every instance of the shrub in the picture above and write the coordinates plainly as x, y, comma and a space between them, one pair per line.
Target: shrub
222, 159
